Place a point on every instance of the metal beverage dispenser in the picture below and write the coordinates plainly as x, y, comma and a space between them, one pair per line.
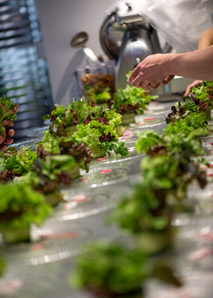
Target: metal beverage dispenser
127, 37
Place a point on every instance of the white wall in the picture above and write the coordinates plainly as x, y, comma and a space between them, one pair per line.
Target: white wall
60, 20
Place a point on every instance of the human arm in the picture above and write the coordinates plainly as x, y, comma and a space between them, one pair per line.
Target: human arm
205, 41
154, 69
6, 138
196, 65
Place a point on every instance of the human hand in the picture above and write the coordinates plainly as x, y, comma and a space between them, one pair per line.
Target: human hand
6, 138
167, 79
193, 84
152, 72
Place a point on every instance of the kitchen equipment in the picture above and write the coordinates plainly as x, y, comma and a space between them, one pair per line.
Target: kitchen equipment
96, 75
79, 41
127, 37
82, 56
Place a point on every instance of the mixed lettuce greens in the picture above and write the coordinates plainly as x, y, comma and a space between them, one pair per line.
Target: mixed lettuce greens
178, 145
16, 163
170, 164
8, 111
103, 116
125, 102
112, 270
97, 96
186, 107
53, 145
132, 100
69, 116
21, 162
142, 211
199, 100
21, 206
98, 88
52, 171
166, 172
203, 93
49, 144
192, 122
98, 134
171, 177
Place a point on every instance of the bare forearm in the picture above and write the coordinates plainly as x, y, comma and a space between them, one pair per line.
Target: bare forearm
206, 39
155, 70
194, 65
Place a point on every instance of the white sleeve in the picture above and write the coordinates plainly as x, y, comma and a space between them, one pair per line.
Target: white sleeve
180, 22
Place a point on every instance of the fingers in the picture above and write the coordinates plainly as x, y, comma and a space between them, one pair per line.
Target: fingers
138, 80
133, 75
148, 79
11, 133
3, 147
8, 141
2, 138
194, 84
8, 123
154, 86
167, 79
6, 138
146, 85
188, 89
164, 82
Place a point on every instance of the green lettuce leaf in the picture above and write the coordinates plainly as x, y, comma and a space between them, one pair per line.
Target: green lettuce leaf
8, 111
21, 206
110, 267
21, 162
